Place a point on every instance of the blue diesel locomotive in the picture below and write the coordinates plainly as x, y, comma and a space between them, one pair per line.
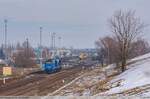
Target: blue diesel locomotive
52, 65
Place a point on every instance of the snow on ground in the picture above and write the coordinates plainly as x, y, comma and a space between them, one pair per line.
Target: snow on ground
141, 57
138, 74
146, 94
83, 85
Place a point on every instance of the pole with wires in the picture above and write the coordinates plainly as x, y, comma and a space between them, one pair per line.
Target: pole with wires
5, 22
59, 38
41, 46
41, 42
54, 40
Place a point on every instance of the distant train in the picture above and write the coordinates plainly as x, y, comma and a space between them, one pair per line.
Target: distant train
52, 65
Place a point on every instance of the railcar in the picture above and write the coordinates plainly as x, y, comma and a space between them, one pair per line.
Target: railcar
52, 65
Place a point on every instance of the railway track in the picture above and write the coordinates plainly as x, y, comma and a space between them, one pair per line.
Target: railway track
38, 84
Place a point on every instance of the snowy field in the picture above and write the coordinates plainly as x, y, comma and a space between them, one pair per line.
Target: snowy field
136, 75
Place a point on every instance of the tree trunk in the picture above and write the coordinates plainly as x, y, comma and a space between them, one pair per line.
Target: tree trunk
124, 59
102, 63
123, 67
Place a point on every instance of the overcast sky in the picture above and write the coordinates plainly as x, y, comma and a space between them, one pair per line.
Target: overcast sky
78, 22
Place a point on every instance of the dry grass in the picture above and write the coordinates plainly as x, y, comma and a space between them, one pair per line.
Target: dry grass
134, 91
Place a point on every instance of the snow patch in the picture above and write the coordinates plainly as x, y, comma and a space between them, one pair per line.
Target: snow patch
136, 76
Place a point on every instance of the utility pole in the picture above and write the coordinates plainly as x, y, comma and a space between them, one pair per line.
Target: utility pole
50, 45
5, 22
27, 41
59, 38
41, 42
54, 35
51, 40
41, 46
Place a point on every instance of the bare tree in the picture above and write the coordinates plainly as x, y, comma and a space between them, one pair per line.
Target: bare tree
23, 57
126, 27
101, 52
108, 49
139, 47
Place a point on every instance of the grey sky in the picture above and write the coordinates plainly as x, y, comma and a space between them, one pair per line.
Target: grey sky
78, 22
